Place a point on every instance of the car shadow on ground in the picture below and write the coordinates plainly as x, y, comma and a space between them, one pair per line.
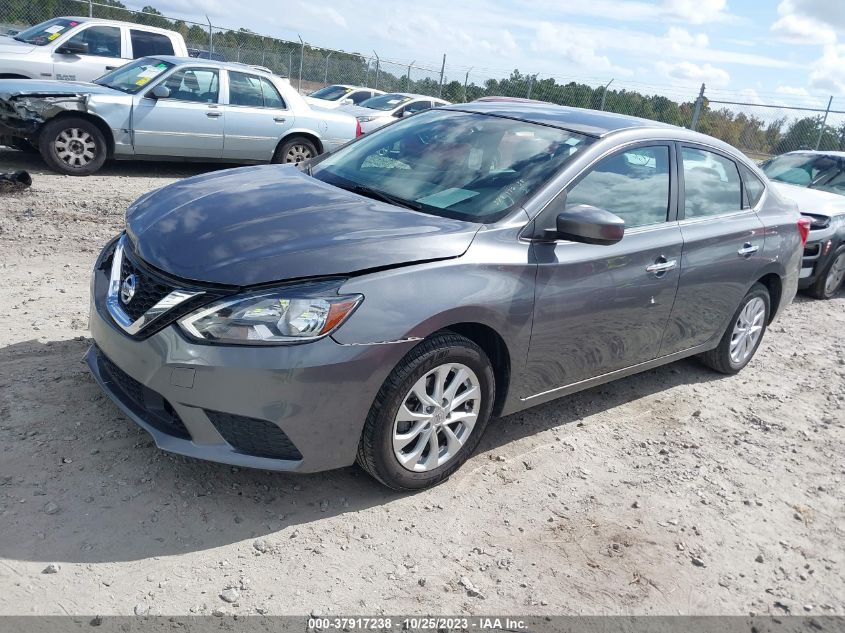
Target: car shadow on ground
13, 160
79, 482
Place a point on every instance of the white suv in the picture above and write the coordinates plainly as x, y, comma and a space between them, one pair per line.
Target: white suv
82, 49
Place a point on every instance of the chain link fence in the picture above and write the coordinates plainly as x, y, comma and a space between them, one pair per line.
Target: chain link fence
758, 129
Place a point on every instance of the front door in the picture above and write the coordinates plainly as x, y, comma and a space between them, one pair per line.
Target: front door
603, 308
723, 246
104, 44
256, 118
187, 123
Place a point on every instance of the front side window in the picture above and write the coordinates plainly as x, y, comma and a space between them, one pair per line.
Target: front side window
462, 165
134, 76
194, 84
633, 185
145, 43
103, 41
711, 184
359, 97
419, 106
46, 32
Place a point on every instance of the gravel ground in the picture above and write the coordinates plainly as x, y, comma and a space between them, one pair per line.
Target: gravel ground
674, 491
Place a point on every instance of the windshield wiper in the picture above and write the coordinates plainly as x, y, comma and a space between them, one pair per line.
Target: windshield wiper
384, 197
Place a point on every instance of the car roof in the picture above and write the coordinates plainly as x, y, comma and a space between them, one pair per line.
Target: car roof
82, 18
193, 61
354, 87
416, 96
582, 120
819, 152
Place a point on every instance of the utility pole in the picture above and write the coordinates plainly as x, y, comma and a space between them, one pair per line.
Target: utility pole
326, 76
466, 80
301, 57
442, 70
824, 122
697, 112
378, 63
604, 94
408, 77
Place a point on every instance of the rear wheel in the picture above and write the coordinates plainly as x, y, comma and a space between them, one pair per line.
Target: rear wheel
743, 335
295, 150
72, 146
429, 415
826, 285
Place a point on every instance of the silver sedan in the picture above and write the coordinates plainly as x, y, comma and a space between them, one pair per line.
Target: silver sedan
162, 108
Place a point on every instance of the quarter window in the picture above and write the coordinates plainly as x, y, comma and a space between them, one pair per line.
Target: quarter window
194, 84
272, 98
633, 185
711, 184
753, 186
145, 44
103, 41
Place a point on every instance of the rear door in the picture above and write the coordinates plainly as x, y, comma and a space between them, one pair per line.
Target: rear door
723, 246
597, 308
105, 50
256, 117
187, 123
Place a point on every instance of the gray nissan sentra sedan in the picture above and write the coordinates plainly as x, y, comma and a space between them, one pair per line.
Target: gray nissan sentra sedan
381, 303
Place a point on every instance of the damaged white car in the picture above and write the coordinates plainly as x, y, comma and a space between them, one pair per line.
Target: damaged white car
168, 108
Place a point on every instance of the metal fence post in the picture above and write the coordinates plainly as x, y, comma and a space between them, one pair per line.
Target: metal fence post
326, 76
367, 76
290, 63
90, 8
824, 122
378, 62
697, 112
210, 36
301, 58
442, 70
408, 77
604, 94
530, 83
466, 80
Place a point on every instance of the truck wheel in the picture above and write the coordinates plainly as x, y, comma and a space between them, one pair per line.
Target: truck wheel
295, 150
744, 334
826, 285
72, 146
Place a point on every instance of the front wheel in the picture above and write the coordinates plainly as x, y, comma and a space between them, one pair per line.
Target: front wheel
828, 283
744, 334
429, 415
72, 146
295, 150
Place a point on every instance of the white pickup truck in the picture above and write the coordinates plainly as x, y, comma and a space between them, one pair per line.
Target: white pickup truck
82, 49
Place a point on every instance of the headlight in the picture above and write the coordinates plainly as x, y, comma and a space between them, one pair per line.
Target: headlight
282, 315
817, 221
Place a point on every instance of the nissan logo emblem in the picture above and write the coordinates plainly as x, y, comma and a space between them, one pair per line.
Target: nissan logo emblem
127, 288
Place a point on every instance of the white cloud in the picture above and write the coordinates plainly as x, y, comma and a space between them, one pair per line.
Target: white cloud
827, 12
325, 13
696, 11
572, 45
679, 38
829, 72
799, 29
688, 11
692, 73
794, 91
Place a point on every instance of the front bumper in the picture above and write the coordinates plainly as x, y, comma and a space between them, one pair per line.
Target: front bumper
816, 256
289, 408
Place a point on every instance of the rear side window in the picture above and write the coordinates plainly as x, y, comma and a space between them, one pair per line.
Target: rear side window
103, 41
754, 187
711, 184
634, 185
145, 44
419, 106
272, 98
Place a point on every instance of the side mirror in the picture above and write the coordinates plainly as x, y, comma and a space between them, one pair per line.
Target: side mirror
160, 92
589, 225
347, 102
73, 48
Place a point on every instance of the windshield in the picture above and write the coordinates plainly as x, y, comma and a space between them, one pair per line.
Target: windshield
44, 33
132, 77
385, 102
331, 93
454, 164
819, 171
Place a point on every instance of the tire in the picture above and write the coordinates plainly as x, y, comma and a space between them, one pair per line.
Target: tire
721, 358
827, 284
72, 146
456, 357
294, 150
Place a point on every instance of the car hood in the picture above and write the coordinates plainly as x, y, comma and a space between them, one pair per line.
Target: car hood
11, 46
51, 87
812, 200
322, 103
270, 223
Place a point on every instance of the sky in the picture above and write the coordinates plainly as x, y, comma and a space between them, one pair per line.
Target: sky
761, 51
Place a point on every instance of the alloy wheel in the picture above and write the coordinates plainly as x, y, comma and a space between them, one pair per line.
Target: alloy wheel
747, 330
298, 153
835, 275
436, 417
75, 147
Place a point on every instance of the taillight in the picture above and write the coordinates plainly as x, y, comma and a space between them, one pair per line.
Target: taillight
804, 229
358, 130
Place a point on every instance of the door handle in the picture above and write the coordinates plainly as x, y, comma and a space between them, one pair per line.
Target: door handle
747, 250
279, 119
213, 115
662, 265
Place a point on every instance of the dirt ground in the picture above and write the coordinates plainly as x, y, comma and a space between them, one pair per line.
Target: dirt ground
677, 491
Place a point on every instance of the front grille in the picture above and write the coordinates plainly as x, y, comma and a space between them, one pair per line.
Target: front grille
149, 288
253, 436
143, 401
812, 250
